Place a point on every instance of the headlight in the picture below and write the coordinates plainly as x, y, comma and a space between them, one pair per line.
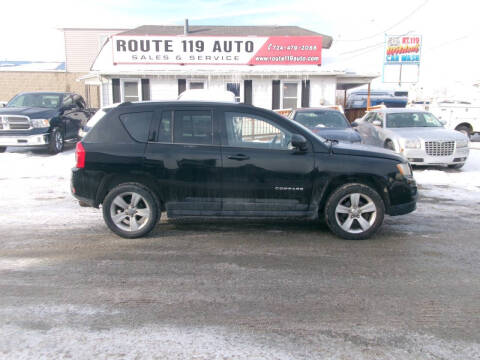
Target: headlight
412, 144
39, 123
462, 143
404, 169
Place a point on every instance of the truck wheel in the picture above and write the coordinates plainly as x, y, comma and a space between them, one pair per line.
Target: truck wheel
131, 210
464, 130
354, 211
3, 149
56, 141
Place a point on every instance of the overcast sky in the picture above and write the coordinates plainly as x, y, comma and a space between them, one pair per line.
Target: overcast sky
450, 31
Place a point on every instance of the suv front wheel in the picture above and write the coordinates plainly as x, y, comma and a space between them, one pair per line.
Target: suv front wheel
354, 211
131, 210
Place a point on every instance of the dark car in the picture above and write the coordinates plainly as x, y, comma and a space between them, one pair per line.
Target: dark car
328, 123
42, 119
200, 159
391, 99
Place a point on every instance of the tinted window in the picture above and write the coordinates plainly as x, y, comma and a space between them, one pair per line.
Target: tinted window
165, 127
108, 130
252, 131
192, 127
137, 124
322, 119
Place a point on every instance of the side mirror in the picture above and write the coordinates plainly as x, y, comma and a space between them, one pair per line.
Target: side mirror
355, 124
299, 142
442, 121
377, 123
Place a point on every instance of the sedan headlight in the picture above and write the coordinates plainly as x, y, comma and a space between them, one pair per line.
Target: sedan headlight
404, 169
462, 143
39, 123
412, 144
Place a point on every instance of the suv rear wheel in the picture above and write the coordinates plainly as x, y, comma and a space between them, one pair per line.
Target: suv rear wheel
354, 211
131, 210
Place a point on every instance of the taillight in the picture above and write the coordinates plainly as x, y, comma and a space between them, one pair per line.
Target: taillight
80, 155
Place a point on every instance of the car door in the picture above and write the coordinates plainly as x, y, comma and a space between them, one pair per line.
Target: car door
183, 155
262, 174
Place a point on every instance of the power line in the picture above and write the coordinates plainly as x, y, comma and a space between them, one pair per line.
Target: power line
391, 27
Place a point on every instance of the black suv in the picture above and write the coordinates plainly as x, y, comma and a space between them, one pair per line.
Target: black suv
201, 159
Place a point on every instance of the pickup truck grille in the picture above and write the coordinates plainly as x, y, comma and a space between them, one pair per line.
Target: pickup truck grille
14, 122
439, 148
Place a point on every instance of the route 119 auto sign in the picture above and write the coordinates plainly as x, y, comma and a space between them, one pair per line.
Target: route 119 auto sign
251, 50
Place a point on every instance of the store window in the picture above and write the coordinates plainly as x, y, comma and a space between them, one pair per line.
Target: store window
130, 90
195, 85
192, 127
235, 89
290, 95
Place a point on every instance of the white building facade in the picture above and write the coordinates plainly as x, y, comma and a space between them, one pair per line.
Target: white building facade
266, 66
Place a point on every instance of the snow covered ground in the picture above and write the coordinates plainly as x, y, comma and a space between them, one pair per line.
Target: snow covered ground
39, 186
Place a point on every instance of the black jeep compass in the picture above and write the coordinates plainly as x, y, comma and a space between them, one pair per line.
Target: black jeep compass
200, 159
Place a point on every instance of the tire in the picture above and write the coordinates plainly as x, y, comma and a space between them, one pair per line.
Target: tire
57, 141
344, 218
465, 130
146, 210
3, 149
389, 145
456, 166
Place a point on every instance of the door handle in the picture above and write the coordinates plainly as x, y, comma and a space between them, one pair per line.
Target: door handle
239, 157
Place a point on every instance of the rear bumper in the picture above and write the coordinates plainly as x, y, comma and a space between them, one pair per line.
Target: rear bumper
84, 185
26, 140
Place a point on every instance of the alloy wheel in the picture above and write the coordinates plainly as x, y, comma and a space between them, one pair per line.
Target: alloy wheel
130, 212
355, 213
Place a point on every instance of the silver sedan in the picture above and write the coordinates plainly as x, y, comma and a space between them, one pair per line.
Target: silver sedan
417, 135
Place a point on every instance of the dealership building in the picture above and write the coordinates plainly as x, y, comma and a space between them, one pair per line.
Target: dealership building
272, 67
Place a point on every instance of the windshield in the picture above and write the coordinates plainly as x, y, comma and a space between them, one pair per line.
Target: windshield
51, 101
322, 119
412, 119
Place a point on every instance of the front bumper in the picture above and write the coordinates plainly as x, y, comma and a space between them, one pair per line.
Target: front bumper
24, 140
420, 157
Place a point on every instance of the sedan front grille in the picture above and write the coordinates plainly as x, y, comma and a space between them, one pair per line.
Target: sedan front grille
8, 122
439, 148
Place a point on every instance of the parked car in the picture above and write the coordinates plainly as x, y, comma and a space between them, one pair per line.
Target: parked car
95, 118
42, 119
418, 135
460, 115
328, 123
199, 159
392, 99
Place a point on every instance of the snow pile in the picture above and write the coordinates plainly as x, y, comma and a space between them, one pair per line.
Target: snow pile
462, 184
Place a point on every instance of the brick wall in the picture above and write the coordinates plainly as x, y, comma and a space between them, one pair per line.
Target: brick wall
14, 82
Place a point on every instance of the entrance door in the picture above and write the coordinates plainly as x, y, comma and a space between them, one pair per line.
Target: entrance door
262, 174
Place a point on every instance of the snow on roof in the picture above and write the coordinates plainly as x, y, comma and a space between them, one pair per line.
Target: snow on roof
6, 65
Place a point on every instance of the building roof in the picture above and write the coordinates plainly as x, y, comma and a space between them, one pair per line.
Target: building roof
32, 66
211, 30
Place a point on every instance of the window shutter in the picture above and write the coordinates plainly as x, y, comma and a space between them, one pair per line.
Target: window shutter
275, 94
116, 90
182, 85
305, 93
145, 89
247, 92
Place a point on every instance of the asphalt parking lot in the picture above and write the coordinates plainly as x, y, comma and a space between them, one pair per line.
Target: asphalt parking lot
223, 289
